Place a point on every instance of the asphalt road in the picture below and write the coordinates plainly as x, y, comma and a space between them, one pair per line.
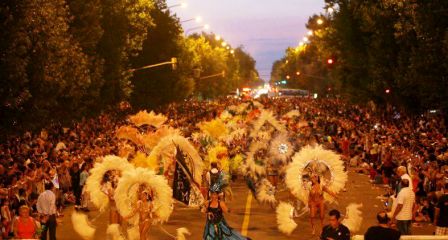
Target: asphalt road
260, 222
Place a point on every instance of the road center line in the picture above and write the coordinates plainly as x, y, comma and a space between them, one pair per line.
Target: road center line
246, 214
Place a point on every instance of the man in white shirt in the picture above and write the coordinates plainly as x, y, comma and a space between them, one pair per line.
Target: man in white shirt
46, 206
405, 206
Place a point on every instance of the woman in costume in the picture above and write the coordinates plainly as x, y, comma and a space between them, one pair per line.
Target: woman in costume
144, 208
316, 200
108, 186
216, 227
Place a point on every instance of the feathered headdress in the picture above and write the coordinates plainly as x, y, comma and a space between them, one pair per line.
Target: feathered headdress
250, 164
93, 183
126, 194
301, 160
129, 133
220, 155
267, 117
145, 118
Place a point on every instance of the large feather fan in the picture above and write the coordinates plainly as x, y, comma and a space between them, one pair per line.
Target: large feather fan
143, 161
234, 135
285, 222
308, 154
93, 183
127, 191
281, 149
81, 226
145, 118
194, 161
150, 140
353, 217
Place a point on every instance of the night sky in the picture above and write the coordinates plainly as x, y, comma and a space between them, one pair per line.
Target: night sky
264, 27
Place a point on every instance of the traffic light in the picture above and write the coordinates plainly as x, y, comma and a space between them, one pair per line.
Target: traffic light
174, 63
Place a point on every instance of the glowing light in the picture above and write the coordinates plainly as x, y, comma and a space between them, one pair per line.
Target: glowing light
305, 39
320, 21
206, 26
330, 61
232, 51
184, 5
198, 19
330, 10
217, 38
223, 44
310, 33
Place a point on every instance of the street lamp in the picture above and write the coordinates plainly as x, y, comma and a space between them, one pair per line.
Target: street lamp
298, 73
288, 77
206, 27
232, 51
224, 44
182, 5
330, 10
310, 33
330, 61
228, 48
198, 19
320, 21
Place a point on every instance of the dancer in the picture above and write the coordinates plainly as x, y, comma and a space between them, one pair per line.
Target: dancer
109, 184
316, 201
216, 227
144, 209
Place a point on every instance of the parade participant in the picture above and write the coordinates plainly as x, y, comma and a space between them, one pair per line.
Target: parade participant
316, 201
335, 230
383, 230
144, 209
215, 178
108, 186
216, 226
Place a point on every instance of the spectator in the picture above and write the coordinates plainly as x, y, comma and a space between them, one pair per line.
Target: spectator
335, 230
405, 206
383, 230
441, 214
46, 206
25, 227
75, 180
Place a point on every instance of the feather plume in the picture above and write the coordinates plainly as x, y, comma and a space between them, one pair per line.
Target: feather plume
143, 161
93, 183
308, 154
151, 140
266, 192
181, 232
214, 128
281, 149
250, 163
129, 133
237, 134
145, 118
113, 230
133, 233
127, 190
194, 161
266, 117
353, 217
213, 154
285, 223
81, 226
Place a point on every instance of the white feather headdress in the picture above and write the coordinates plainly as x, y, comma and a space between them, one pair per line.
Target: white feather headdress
81, 226
127, 191
285, 222
295, 170
194, 161
93, 183
281, 149
145, 118
353, 217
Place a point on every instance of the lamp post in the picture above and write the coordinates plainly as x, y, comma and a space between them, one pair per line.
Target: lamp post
206, 26
198, 19
182, 5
